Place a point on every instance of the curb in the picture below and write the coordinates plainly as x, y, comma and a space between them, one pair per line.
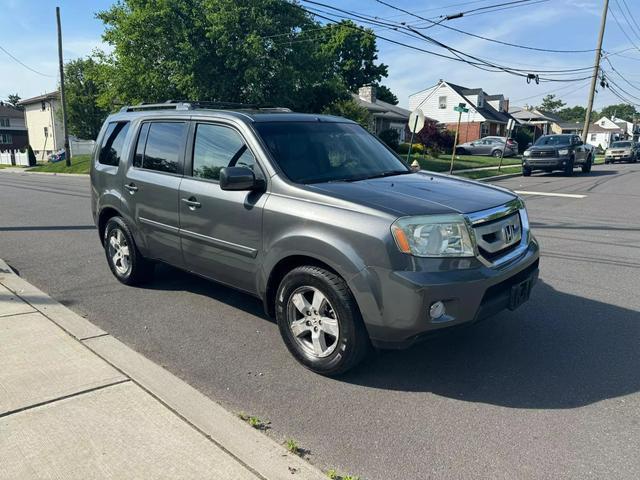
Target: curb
500, 177
86, 175
256, 451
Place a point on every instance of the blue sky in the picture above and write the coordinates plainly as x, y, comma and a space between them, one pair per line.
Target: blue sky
29, 33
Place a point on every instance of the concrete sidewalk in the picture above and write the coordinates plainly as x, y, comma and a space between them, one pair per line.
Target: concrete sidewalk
75, 403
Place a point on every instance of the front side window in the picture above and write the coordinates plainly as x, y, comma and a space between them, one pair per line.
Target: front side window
164, 142
315, 152
217, 147
113, 143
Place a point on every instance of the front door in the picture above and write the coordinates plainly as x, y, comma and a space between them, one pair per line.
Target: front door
151, 188
221, 231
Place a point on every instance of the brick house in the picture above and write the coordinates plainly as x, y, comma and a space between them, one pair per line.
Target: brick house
488, 114
13, 131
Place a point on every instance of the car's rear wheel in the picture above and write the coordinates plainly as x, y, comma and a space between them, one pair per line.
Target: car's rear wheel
568, 167
319, 321
124, 259
496, 153
460, 151
526, 171
586, 167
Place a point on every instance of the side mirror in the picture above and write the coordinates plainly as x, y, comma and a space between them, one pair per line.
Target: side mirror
239, 178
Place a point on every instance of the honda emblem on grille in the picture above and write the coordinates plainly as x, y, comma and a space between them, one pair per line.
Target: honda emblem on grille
509, 231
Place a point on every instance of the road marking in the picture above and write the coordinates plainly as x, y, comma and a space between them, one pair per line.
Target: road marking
551, 194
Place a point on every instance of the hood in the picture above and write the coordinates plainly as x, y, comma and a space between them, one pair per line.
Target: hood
417, 194
547, 148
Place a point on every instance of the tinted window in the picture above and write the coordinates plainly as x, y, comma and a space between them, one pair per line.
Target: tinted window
313, 152
553, 140
142, 141
165, 141
113, 143
217, 147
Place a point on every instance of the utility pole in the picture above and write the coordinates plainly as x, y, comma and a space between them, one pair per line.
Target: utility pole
596, 71
67, 150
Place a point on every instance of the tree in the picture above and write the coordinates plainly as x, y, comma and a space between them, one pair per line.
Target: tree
13, 99
251, 51
349, 108
385, 94
622, 111
82, 89
551, 104
572, 114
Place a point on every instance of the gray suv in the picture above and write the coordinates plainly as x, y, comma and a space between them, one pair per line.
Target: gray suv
346, 247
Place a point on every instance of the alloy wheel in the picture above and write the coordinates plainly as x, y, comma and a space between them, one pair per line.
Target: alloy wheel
119, 251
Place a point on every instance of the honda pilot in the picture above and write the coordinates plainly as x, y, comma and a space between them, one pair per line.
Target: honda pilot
344, 244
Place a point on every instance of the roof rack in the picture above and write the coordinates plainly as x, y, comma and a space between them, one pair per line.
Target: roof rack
198, 104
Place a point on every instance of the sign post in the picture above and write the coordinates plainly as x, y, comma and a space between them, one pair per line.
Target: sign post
461, 108
510, 125
416, 122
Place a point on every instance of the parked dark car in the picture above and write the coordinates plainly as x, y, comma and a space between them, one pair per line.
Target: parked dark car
622, 151
345, 246
558, 152
492, 146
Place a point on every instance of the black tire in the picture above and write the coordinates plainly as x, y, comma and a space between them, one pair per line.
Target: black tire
586, 167
138, 269
352, 341
460, 151
568, 167
496, 153
606, 162
526, 171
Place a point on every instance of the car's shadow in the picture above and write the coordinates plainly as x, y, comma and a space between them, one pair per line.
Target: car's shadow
556, 351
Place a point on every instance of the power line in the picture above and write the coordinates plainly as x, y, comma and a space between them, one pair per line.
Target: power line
493, 40
23, 64
615, 17
637, 27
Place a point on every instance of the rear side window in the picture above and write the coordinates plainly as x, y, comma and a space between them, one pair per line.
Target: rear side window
159, 146
217, 147
113, 143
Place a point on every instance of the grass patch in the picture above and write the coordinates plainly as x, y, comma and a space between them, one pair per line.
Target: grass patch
10, 166
491, 173
334, 475
255, 422
461, 162
79, 164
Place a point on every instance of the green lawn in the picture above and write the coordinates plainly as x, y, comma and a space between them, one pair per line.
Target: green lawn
461, 162
10, 166
79, 164
491, 173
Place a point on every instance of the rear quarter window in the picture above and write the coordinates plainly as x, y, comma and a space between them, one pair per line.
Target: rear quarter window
113, 143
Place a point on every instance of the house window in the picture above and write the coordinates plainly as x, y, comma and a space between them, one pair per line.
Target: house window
480, 101
594, 137
4, 122
46, 131
442, 102
6, 139
43, 105
484, 129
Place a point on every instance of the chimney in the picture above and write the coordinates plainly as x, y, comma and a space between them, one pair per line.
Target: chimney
505, 105
368, 93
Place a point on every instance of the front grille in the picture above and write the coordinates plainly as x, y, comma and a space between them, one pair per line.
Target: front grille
543, 154
498, 237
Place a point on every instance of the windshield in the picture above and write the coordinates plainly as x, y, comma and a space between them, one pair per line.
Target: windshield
621, 144
553, 140
315, 152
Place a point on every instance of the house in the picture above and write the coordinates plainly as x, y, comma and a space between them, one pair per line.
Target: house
543, 122
631, 129
384, 116
44, 123
488, 114
605, 131
13, 132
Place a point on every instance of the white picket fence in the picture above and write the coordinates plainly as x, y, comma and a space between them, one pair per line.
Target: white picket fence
81, 147
14, 157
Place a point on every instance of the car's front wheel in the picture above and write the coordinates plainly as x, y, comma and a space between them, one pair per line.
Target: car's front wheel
526, 171
125, 261
568, 167
496, 153
319, 320
586, 167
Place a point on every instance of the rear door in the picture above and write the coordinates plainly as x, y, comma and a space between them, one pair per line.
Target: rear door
221, 231
151, 187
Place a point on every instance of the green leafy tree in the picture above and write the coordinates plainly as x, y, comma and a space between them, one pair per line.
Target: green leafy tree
623, 111
82, 89
349, 108
385, 94
551, 104
13, 99
572, 114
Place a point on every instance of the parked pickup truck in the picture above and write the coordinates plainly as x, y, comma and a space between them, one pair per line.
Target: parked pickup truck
558, 152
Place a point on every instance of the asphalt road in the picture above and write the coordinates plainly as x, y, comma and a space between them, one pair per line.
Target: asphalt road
548, 391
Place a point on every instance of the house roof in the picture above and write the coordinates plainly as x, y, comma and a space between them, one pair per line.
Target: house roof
571, 125
383, 109
595, 128
487, 111
39, 98
9, 111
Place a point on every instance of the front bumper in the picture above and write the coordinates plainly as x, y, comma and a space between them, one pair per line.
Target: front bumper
395, 304
545, 162
619, 158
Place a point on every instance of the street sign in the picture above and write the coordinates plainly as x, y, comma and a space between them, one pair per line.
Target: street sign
461, 109
416, 120
510, 124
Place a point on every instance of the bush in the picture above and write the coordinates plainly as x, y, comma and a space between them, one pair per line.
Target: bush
390, 137
403, 148
434, 137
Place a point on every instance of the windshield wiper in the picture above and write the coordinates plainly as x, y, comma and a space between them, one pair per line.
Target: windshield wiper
388, 173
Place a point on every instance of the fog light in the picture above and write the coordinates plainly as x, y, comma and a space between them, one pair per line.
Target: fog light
436, 310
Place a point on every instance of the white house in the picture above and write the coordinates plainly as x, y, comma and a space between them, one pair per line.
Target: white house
603, 132
631, 130
44, 123
488, 114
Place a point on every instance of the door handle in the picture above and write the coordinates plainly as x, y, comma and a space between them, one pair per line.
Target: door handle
132, 187
192, 202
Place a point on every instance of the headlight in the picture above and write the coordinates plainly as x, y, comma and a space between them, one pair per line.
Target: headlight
563, 151
527, 153
433, 236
